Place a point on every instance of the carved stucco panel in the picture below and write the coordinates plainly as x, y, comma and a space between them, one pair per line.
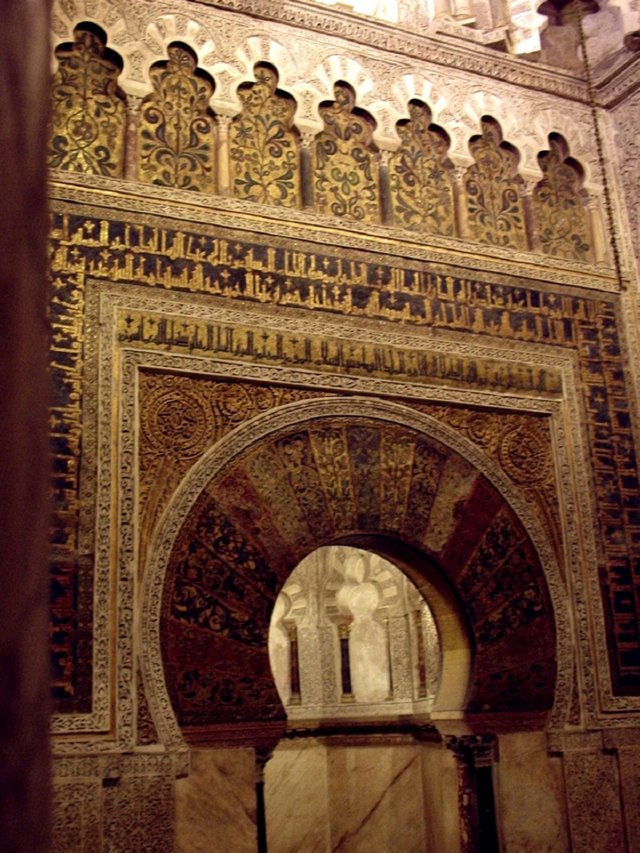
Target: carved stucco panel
227, 46
593, 800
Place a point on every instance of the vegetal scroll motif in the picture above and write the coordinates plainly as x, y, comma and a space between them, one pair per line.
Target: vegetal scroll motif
345, 161
176, 128
494, 207
88, 113
263, 146
559, 204
421, 188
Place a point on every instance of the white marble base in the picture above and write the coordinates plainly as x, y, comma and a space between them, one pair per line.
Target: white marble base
216, 803
296, 798
335, 796
440, 784
530, 796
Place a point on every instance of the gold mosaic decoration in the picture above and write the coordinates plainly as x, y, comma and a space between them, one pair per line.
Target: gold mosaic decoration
176, 134
345, 163
561, 215
521, 445
421, 188
180, 417
318, 481
88, 115
494, 206
187, 260
263, 148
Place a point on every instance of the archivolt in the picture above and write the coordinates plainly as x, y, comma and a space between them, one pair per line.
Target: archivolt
201, 489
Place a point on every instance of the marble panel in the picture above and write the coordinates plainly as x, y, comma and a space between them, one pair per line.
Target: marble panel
376, 798
440, 785
296, 798
529, 792
216, 803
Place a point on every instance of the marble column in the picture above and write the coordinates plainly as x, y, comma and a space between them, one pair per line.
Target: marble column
24, 452
223, 182
294, 662
460, 199
344, 630
386, 206
306, 168
262, 757
467, 803
597, 228
462, 9
131, 139
531, 227
475, 756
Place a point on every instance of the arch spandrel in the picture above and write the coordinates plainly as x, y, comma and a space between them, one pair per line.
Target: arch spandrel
323, 480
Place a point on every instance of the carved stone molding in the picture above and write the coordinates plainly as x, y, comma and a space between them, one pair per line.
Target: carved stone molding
215, 211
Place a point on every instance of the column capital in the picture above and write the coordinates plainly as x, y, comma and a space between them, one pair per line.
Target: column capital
459, 171
307, 138
527, 186
224, 122
473, 750
133, 102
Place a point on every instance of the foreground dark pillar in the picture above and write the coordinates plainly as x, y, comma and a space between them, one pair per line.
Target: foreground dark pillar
475, 756
24, 463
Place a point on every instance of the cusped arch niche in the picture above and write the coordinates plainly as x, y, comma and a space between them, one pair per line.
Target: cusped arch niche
311, 474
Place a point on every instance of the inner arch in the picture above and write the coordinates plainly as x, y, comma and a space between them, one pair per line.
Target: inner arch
351, 636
